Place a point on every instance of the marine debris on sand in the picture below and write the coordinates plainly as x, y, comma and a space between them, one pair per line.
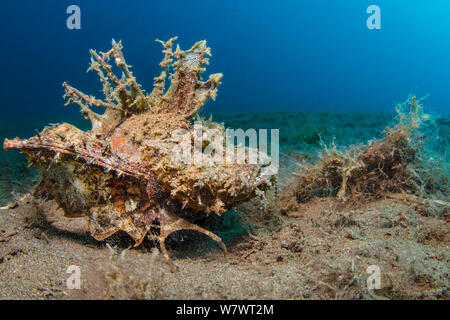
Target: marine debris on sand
121, 175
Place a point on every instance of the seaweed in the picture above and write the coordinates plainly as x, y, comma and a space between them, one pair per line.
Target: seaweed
402, 162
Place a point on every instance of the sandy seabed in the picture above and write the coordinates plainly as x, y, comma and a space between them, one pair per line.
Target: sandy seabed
319, 250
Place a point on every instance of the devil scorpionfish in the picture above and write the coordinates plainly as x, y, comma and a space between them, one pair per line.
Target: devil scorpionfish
121, 174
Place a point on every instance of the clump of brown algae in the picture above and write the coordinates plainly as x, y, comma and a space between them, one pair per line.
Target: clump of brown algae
121, 174
397, 164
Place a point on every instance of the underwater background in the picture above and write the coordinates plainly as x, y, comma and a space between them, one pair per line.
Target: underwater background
313, 69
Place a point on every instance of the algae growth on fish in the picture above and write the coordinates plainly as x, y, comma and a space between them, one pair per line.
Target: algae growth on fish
121, 174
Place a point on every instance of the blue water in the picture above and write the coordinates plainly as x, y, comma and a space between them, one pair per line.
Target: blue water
310, 55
